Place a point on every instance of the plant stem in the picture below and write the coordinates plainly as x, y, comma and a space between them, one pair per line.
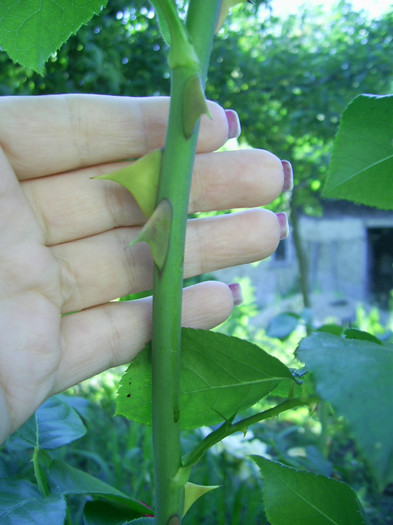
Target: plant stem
41, 481
175, 182
228, 428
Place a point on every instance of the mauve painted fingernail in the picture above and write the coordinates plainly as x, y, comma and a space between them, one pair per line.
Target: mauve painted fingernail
284, 225
237, 293
288, 175
234, 127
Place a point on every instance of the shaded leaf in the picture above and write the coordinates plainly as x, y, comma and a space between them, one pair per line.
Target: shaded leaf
282, 325
356, 377
31, 30
53, 425
64, 479
220, 376
106, 513
303, 498
141, 521
353, 333
28, 507
362, 158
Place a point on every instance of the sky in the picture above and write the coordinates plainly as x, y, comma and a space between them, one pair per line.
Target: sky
373, 7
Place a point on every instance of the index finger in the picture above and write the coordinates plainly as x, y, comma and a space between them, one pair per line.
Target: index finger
56, 133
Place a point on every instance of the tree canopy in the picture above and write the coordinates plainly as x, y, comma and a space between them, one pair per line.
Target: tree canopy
289, 80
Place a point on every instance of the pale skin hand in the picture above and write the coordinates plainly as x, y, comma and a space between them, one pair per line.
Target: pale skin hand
64, 237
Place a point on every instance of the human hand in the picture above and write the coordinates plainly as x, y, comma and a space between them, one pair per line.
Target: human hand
64, 237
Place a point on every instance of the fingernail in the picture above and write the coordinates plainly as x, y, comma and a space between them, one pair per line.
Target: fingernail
288, 175
284, 226
237, 293
234, 127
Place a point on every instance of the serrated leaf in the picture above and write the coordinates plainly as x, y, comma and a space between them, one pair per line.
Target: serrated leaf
362, 158
220, 376
356, 376
303, 498
31, 30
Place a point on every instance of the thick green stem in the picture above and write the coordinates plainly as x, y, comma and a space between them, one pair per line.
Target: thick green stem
175, 181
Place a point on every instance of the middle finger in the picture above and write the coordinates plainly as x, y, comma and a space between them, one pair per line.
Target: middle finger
71, 206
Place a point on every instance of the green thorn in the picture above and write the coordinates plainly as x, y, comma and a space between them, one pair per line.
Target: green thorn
156, 233
193, 492
140, 179
193, 104
225, 7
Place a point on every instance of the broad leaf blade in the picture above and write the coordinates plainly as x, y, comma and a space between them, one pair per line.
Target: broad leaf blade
356, 376
67, 480
220, 376
28, 507
362, 159
31, 30
53, 425
303, 498
106, 513
58, 424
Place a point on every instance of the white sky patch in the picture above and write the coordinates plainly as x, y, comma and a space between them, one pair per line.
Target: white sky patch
374, 8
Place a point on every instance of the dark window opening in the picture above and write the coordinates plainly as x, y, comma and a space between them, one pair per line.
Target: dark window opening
380, 244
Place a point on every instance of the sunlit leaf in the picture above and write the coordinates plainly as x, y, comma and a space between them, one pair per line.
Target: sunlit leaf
356, 376
303, 498
361, 167
31, 30
220, 376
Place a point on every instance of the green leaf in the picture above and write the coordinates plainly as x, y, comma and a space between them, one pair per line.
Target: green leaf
106, 513
31, 30
353, 333
356, 376
282, 325
54, 425
141, 521
66, 480
362, 159
304, 498
22, 504
220, 376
